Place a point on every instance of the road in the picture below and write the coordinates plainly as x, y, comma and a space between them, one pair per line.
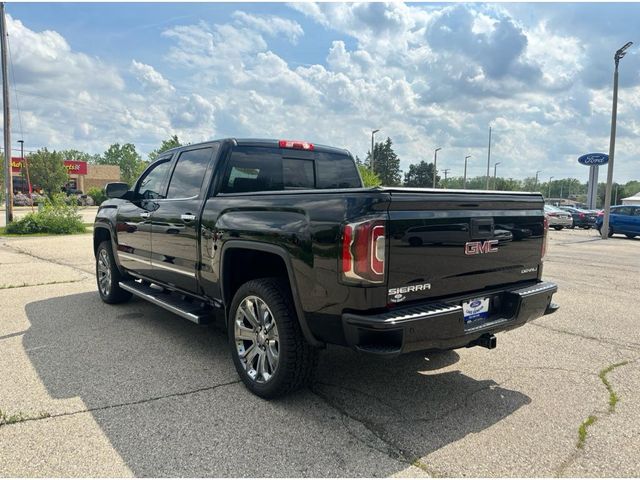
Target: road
132, 390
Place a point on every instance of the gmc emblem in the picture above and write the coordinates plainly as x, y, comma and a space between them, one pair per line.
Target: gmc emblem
476, 248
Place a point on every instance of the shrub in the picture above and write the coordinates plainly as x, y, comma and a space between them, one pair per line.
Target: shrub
55, 217
98, 195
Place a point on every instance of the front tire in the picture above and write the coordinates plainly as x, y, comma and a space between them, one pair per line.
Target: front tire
557, 228
108, 276
268, 348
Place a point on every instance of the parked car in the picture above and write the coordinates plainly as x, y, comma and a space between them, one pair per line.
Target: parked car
281, 241
581, 218
558, 219
624, 219
22, 199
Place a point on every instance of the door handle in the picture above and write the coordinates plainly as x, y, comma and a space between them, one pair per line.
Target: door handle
188, 217
145, 215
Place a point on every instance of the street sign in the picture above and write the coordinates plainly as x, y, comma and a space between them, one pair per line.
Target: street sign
594, 159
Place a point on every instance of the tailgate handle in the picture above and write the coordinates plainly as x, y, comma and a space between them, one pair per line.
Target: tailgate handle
481, 228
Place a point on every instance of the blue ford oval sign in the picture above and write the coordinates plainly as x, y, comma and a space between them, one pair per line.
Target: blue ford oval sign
591, 159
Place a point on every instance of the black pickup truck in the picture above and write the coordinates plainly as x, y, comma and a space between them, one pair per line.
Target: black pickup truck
281, 240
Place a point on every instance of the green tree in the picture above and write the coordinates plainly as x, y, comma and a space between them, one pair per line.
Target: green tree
369, 178
420, 175
72, 154
127, 158
47, 170
171, 142
386, 163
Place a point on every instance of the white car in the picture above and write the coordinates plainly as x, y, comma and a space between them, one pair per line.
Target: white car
558, 219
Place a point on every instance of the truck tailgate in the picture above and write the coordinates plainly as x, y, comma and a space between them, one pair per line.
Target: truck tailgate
451, 242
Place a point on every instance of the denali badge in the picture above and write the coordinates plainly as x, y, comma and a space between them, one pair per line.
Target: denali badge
397, 292
476, 248
529, 270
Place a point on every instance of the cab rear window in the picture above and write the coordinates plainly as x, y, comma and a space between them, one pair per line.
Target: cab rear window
258, 169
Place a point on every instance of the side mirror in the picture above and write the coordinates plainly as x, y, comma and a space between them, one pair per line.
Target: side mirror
116, 189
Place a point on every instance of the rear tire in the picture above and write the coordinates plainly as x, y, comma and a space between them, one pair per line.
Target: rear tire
268, 348
108, 276
557, 228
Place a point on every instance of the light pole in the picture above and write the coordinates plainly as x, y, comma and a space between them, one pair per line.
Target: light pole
435, 164
373, 134
604, 231
495, 169
550, 178
535, 185
488, 157
464, 181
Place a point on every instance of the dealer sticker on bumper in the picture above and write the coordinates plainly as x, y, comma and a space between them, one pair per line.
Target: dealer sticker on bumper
475, 309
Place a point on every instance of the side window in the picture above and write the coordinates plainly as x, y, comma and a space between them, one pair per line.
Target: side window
253, 169
189, 172
636, 212
622, 211
150, 184
337, 171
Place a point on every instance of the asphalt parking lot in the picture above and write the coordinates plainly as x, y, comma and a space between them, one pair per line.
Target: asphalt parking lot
131, 390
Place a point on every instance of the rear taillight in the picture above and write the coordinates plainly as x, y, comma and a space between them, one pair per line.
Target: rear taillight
363, 252
581, 215
544, 238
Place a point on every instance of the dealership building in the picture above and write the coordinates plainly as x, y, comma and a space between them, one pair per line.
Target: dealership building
82, 175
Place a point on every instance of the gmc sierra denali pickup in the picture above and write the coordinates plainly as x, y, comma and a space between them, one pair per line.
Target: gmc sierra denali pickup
281, 241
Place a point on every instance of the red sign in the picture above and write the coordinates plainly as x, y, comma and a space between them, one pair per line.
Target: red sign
73, 167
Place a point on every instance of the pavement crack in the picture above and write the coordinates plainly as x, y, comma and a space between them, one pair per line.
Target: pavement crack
11, 335
594, 416
392, 451
629, 346
127, 404
54, 282
45, 259
12, 418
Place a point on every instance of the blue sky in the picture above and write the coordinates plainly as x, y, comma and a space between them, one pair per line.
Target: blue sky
88, 75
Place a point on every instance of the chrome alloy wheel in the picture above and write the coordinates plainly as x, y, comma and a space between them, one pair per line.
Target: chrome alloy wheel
256, 338
104, 273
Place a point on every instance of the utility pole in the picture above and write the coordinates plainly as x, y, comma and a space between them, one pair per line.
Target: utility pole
604, 231
445, 171
435, 164
8, 179
536, 184
495, 170
489, 158
373, 134
550, 178
464, 181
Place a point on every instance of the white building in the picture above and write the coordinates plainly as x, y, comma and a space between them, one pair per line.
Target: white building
635, 200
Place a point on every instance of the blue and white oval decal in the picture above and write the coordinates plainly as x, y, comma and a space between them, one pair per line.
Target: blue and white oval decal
475, 303
594, 159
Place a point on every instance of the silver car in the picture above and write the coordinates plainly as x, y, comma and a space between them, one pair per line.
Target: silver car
558, 218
